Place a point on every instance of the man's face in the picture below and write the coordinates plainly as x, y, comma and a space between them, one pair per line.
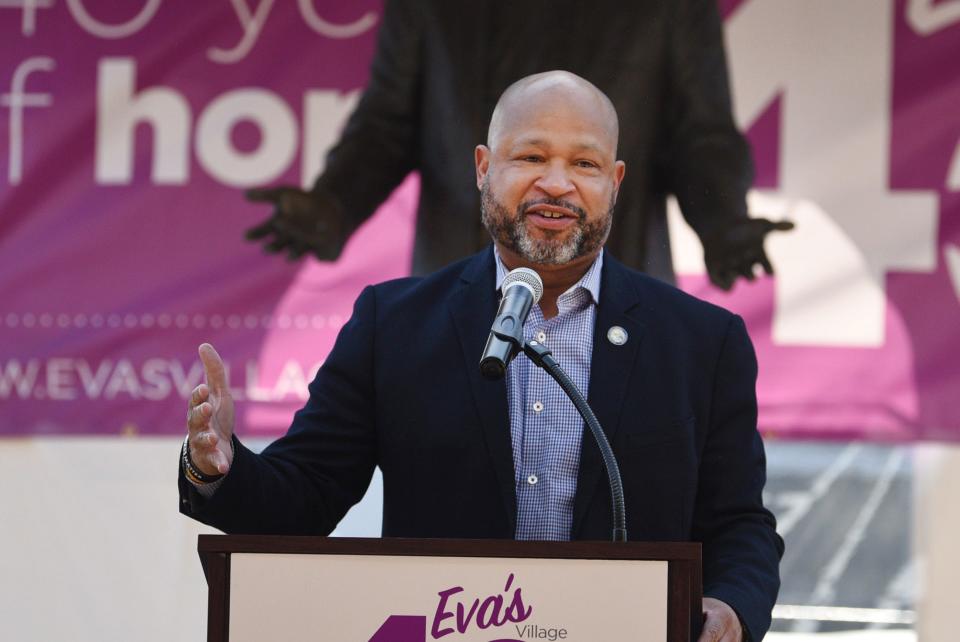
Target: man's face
549, 183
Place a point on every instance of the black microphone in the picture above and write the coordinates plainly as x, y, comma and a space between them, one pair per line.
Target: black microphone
521, 288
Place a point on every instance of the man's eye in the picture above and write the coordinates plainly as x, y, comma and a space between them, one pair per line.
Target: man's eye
586, 164
532, 159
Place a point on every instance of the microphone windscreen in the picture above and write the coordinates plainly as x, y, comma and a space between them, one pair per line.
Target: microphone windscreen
524, 276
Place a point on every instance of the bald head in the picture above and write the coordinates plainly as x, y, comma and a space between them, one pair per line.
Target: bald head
553, 91
549, 175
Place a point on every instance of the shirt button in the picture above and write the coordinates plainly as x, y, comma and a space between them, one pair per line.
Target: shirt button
542, 337
532, 479
537, 406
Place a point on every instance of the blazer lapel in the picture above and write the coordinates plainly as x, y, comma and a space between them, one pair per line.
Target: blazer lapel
473, 308
610, 369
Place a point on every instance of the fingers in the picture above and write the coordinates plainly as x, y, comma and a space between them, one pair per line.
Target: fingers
205, 454
765, 225
219, 462
199, 410
738, 250
203, 440
765, 262
720, 623
724, 281
198, 417
712, 630
278, 244
213, 368
265, 195
301, 224
782, 226
278, 196
210, 416
199, 395
281, 241
259, 231
722, 274
749, 267
296, 252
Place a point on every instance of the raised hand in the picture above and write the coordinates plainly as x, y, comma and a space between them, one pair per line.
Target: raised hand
210, 417
737, 248
301, 222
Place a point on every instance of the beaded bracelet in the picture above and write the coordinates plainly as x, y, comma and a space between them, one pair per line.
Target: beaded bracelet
190, 470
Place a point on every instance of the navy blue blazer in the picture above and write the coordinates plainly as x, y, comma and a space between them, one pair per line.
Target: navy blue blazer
401, 390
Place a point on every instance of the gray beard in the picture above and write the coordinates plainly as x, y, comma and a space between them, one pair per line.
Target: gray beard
511, 232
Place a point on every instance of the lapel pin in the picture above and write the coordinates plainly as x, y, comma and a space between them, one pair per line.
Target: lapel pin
617, 335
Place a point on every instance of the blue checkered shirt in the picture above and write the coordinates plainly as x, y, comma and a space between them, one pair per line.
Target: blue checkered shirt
545, 427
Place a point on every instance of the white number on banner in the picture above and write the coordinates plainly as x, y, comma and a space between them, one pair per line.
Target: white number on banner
952, 253
831, 66
929, 16
953, 176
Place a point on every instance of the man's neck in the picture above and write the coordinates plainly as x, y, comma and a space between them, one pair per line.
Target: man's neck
557, 279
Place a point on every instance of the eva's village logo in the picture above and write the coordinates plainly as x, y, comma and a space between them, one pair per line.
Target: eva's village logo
503, 613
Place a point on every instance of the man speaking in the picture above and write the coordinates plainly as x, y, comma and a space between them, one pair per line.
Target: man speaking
670, 378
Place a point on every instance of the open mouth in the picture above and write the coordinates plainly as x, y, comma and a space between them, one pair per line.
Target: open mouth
551, 219
554, 212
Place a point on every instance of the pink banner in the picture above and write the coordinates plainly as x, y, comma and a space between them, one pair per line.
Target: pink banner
128, 133
852, 112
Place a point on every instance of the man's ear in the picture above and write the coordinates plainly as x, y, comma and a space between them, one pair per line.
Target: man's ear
481, 157
619, 169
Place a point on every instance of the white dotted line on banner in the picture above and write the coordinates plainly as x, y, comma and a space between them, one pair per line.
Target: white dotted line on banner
165, 321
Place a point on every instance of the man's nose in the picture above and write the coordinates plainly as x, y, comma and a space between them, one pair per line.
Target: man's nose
555, 180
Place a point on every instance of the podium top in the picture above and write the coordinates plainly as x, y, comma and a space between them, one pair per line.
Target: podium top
675, 601
315, 545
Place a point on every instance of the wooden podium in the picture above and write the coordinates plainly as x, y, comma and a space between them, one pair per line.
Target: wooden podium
415, 590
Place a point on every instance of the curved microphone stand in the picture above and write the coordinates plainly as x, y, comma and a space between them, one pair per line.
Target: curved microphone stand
542, 358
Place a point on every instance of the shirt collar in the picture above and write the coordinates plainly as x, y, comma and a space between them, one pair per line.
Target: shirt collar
590, 281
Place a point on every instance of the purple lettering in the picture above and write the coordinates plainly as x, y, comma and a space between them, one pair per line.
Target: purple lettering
442, 613
487, 616
517, 612
485, 613
464, 622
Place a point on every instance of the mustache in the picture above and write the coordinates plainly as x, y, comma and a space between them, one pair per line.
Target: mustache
555, 202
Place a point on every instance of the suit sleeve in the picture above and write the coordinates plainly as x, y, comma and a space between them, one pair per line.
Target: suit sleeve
741, 548
304, 483
708, 166
378, 146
